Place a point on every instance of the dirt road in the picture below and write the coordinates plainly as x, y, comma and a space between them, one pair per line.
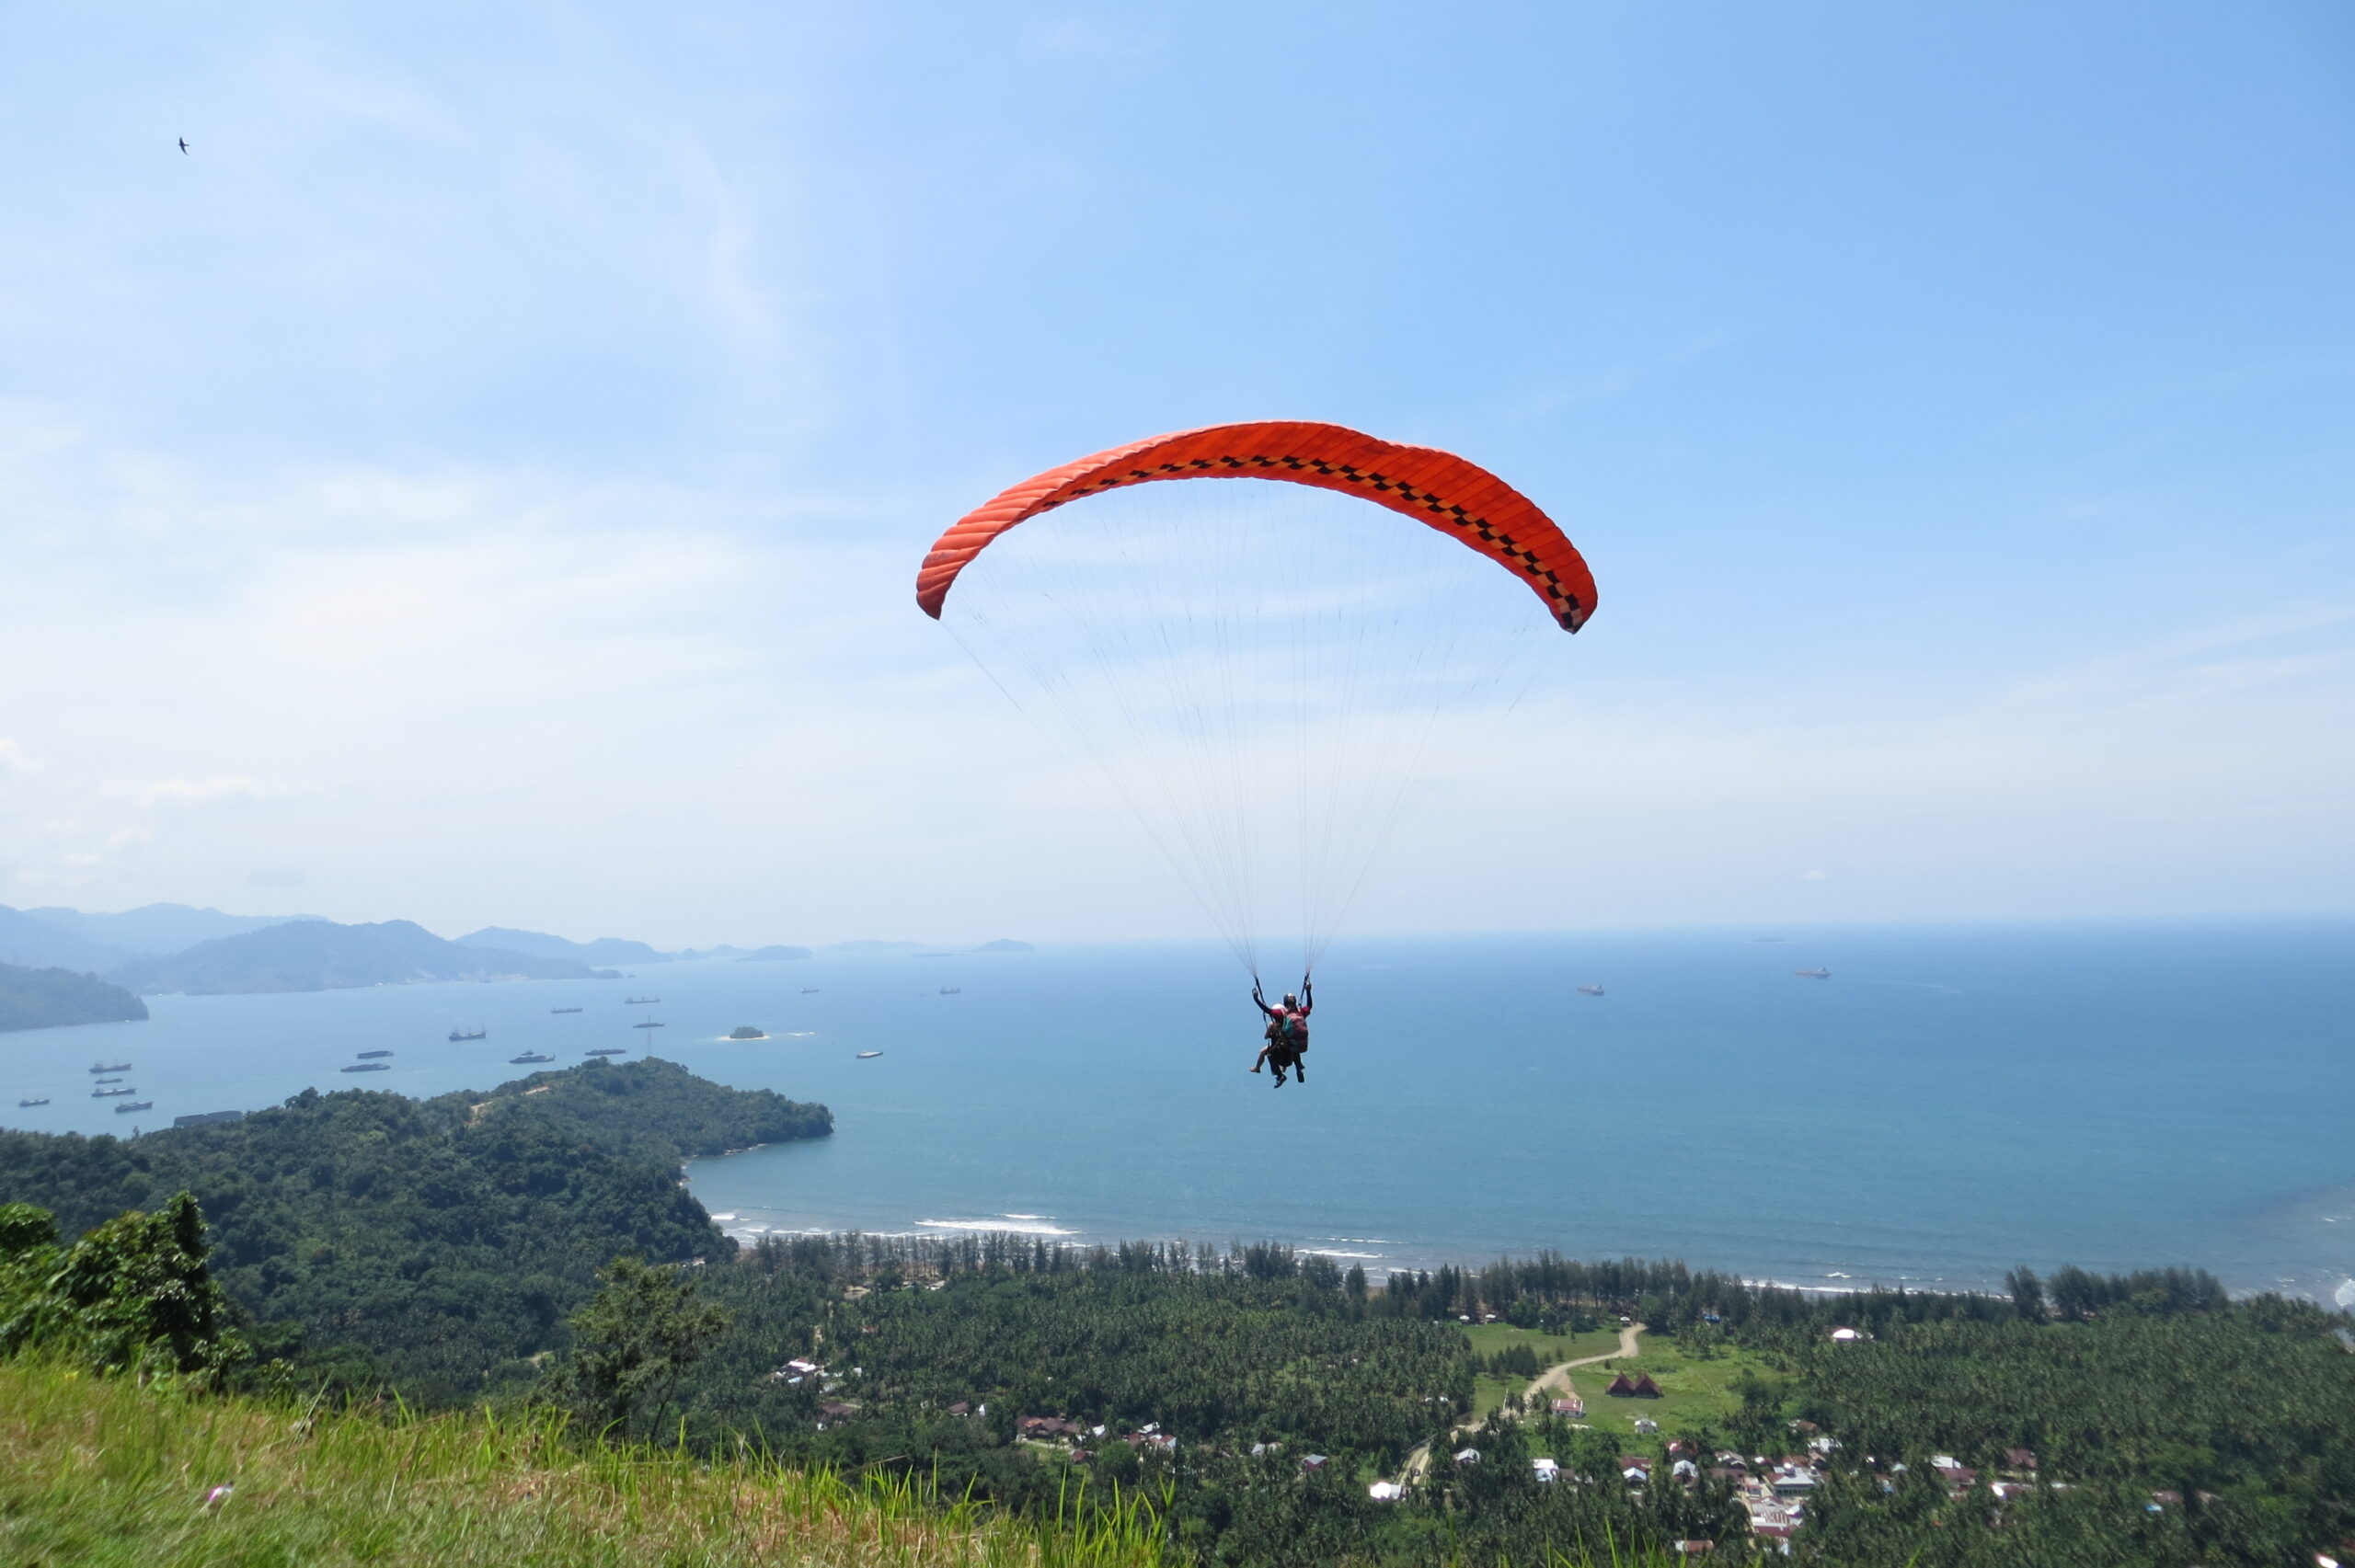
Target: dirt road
1419, 1459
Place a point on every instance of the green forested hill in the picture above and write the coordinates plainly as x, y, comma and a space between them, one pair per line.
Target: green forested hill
440, 1242
41, 999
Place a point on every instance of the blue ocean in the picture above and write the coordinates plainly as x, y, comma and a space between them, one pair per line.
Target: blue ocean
1950, 1102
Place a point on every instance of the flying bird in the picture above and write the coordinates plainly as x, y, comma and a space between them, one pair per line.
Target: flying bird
183, 144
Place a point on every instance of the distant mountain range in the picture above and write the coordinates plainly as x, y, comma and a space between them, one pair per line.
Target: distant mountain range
540, 945
323, 955
162, 948
70, 939
159, 928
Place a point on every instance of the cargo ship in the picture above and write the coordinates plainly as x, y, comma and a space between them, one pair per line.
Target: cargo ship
1589, 991
606, 1051
98, 1067
371, 1056
527, 1057
111, 1093
1813, 974
367, 1066
457, 1034
27, 1105
564, 1010
135, 1105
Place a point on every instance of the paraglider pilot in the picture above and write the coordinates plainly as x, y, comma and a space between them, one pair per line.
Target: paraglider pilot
1287, 1031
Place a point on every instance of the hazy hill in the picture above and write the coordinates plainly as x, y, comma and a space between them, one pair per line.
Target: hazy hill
869, 945
42, 999
540, 945
1006, 944
323, 955
38, 944
772, 954
157, 928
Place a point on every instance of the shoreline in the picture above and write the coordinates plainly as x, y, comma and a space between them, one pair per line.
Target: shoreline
1037, 1228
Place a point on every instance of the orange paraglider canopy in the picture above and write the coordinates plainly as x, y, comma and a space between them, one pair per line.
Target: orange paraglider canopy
1457, 498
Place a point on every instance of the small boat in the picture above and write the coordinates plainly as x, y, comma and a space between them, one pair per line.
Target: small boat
527, 1057
27, 1105
1589, 991
111, 1093
135, 1105
371, 1056
456, 1035
640, 1000
1813, 974
98, 1067
649, 1024
367, 1066
564, 1010
606, 1051
868, 1056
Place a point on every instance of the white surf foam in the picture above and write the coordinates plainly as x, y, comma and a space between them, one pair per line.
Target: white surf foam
1024, 1228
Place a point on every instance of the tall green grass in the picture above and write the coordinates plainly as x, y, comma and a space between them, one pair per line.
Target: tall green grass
99, 1472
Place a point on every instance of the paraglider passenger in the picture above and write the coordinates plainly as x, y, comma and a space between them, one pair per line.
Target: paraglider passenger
1287, 1031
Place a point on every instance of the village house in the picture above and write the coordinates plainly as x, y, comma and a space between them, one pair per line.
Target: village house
1776, 1526
1045, 1428
1546, 1471
1646, 1426
1573, 1407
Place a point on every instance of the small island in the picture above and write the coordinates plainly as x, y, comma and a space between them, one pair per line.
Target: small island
747, 1031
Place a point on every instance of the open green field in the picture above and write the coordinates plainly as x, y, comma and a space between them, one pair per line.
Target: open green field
1692, 1391
1488, 1338
1490, 1393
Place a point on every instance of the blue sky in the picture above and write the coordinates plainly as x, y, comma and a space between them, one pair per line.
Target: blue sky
481, 481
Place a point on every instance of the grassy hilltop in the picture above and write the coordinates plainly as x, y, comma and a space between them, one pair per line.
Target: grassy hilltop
97, 1471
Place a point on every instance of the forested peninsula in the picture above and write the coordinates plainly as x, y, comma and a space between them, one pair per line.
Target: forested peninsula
43, 999
438, 1244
